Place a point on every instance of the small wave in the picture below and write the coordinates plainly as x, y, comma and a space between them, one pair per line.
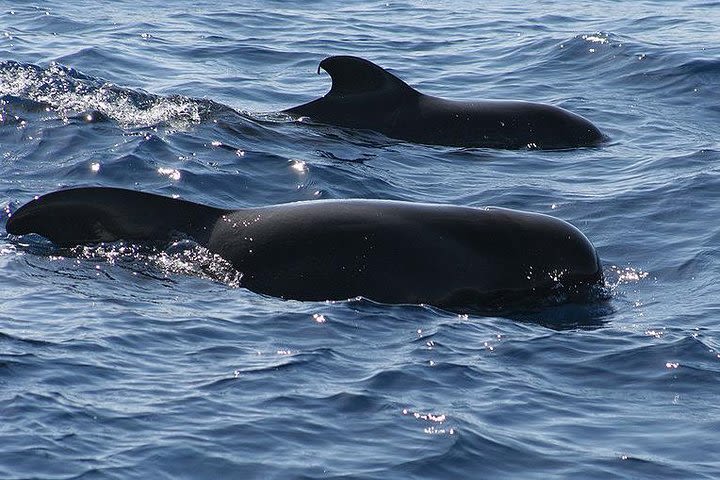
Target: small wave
71, 93
593, 43
677, 76
610, 52
680, 365
9, 339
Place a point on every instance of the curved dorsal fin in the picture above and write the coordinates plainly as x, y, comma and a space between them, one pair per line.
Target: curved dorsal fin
356, 75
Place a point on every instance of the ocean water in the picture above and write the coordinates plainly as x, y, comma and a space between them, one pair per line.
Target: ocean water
119, 362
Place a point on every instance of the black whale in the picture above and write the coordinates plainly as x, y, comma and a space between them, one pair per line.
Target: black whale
365, 96
460, 258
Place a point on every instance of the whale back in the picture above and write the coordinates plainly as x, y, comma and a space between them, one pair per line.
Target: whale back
366, 96
401, 252
393, 252
93, 215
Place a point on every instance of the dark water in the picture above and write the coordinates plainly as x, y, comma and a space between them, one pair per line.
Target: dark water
117, 362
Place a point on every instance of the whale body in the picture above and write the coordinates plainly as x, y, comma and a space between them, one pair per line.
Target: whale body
366, 96
453, 257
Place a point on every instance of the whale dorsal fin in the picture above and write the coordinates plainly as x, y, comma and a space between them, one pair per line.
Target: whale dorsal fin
356, 75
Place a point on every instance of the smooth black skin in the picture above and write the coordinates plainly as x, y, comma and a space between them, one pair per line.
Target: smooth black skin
460, 258
366, 96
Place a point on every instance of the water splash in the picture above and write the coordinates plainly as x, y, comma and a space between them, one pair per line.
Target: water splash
183, 257
69, 92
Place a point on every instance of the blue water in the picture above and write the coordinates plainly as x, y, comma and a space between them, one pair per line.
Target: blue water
118, 362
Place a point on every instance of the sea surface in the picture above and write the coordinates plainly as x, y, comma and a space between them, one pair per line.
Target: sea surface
121, 363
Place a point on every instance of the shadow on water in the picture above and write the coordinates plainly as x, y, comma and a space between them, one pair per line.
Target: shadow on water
568, 309
591, 315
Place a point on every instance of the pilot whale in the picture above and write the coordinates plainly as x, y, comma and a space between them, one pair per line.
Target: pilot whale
366, 96
454, 257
